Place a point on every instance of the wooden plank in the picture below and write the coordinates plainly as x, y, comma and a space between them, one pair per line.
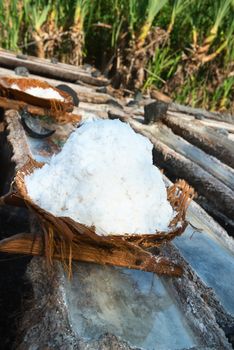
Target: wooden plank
217, 125
203, 137
209, 163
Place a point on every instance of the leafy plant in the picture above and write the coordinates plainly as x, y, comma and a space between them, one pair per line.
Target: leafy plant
183, 47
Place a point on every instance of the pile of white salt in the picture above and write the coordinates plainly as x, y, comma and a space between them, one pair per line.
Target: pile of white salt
104, 177
47, 93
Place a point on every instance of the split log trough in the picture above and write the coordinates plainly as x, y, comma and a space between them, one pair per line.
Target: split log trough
191, 144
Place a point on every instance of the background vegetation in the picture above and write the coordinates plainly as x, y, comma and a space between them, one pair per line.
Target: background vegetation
184, 48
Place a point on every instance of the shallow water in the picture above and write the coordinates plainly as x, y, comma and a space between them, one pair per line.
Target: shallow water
131, 304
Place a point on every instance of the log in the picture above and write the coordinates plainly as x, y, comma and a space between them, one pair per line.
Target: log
228, 118
216, 125
227, 223
44, 67
223, 120
199, 218
26, 57
134, 258
191, 288
231, 137
203, 137
17, 139
181, 167
209, 163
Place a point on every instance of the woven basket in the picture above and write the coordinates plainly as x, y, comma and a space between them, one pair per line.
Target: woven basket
65, 238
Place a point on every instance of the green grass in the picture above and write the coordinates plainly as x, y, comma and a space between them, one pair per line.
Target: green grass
194, 64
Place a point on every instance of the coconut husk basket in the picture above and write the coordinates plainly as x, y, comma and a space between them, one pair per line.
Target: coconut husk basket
65, 239
58, 109
26, 83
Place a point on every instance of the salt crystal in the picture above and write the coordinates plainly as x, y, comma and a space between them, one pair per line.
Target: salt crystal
104, 177
47, 93
15, 87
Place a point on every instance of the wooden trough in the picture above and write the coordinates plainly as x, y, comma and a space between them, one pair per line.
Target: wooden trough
57, 315
66, 239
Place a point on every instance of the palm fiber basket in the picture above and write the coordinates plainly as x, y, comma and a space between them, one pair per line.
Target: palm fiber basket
6, 85
63, 238
58, 109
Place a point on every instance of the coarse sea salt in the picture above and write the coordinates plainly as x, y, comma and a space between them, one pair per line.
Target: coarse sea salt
104, 177
47, 93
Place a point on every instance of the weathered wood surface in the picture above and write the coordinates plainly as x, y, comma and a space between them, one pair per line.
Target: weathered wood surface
222, 117
209, 163
48, 315
17, 139
8, 53
182, 167
206, 118
187, 303
199, 218
215, 124
43, 67
203, 137
208, 206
